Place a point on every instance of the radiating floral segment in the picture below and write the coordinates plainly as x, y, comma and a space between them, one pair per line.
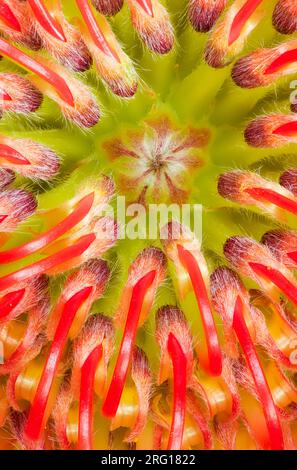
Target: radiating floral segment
155, 164
170, 343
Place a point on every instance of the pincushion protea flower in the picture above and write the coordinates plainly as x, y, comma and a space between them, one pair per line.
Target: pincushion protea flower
112, 343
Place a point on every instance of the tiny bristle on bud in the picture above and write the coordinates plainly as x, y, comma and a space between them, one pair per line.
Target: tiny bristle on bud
281, 243
24, 96
289, 180
16, 205
41, 162
6, 177
204, 13
271, 131
108, 7
155, 29
285, 16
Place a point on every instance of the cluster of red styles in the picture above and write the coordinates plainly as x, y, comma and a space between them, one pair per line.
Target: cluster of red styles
75, 380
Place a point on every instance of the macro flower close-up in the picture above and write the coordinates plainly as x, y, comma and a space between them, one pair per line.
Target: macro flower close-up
148, 232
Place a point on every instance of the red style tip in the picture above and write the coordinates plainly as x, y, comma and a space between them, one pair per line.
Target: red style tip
149, 259
94, 273
46, 20
179, 363
113, 397
61, 39
170, 319
229, 35
248, 188
225, 286
16, 24
24, 299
